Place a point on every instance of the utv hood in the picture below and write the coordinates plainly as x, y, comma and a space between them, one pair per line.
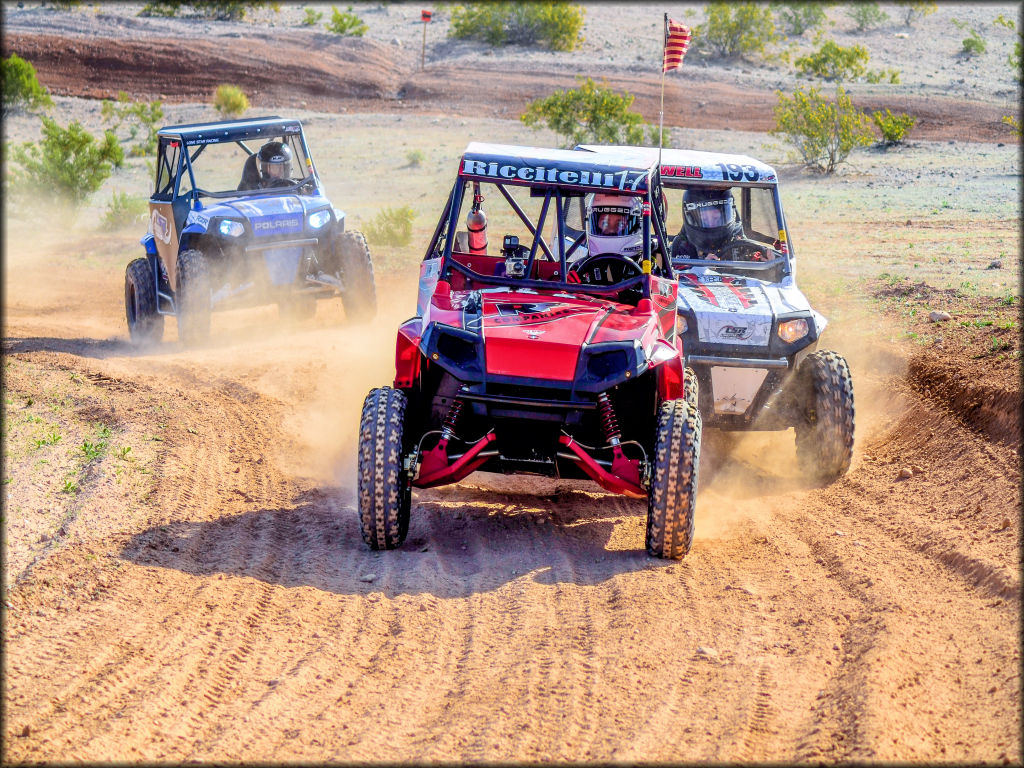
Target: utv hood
277, 215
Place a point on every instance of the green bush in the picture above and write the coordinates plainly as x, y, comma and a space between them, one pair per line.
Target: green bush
21, 86
732, 31
798, 17
125, 211
230, 101
916, 9
591, 113
218, 10
893, 128
414, 158
973, 45
1014, 59
1013, 123
346, 23
554, 25
834, 62
392, 226
69, 163
866, 16
883, 75
135, 115
312, 17
823, 132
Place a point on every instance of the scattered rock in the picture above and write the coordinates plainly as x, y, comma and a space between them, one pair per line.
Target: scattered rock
1005, 524
917, 469
995, 264
368, 577
396, 42
707, 652
26, 731
905, 473
747, 590
938, 316
840, 533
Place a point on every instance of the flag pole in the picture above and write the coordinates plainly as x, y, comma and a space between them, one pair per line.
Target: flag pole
661, 110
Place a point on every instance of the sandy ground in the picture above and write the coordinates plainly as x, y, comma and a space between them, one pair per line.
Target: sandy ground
194, 587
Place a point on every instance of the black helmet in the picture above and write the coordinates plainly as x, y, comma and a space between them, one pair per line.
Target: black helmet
275, 160
710, 218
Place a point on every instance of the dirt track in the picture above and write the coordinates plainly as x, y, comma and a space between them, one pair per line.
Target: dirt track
223, 609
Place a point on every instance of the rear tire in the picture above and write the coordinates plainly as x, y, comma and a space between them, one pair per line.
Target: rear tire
359, 296
672, 499
691, 388
192, 297
824, 435
385, 494
145, 325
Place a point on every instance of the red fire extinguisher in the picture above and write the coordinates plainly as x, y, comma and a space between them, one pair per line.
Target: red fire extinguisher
476, 223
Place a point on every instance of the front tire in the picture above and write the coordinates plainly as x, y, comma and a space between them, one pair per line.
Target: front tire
691, 387
192, 297
385, 494
824, 433
145, 324
359, 296
672, 499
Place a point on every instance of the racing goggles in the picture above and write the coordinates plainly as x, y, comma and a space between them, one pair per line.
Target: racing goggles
709, 214
609, 221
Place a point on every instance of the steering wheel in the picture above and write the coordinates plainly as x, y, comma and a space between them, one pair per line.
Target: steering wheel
745, 250
279, 182
605, 269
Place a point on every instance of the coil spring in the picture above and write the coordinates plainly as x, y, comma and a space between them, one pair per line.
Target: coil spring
448, 428
609, 424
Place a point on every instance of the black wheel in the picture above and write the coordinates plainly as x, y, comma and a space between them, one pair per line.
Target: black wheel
672, 499
192, 297
297, 309
145, 325
385, 493
692, 388
359, 296
824, 433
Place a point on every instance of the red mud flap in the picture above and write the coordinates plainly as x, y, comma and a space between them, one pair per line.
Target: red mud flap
624, 477
435, 469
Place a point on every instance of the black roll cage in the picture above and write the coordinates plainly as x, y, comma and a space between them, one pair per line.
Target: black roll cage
448, 223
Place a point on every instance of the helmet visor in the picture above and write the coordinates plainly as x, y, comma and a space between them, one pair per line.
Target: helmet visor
709, 214
612, 222
276, 170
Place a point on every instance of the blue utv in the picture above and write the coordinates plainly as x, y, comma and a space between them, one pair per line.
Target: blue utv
238, 218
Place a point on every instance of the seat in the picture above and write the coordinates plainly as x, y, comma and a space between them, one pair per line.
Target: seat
250, 174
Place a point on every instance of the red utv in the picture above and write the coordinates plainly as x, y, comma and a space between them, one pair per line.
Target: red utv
543, 355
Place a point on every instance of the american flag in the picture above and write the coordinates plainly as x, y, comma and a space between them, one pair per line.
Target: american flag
677, 40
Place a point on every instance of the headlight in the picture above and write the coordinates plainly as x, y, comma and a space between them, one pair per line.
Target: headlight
605, 365
318, 219
681, 325
230, 228
791, 330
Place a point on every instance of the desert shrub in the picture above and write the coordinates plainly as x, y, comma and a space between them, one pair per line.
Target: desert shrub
63, 5
916, 9
135, 116
124, 211
1014, 59
797, 17
823, 132
230, 101
346, 23
834, 62
866, 16
218, 10
69, 163
883, 75
733, 31
974, 44
554, 25
392, 226
21, 86
312, 17
893, 128
414, 158
591, 113
1013, 123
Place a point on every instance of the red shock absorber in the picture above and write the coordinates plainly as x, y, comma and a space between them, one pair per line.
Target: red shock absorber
448, 428
609, 424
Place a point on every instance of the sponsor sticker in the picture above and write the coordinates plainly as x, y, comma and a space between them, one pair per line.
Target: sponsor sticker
161, 227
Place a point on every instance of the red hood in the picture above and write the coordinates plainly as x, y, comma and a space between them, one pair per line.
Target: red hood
540, 335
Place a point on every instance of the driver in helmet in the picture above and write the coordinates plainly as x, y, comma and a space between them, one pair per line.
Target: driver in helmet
712, 229
271, 166
614, 225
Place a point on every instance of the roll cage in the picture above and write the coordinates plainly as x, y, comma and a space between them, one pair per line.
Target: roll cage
558, 176
179, 146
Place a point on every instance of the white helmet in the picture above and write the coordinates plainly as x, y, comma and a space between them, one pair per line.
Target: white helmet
614, 224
